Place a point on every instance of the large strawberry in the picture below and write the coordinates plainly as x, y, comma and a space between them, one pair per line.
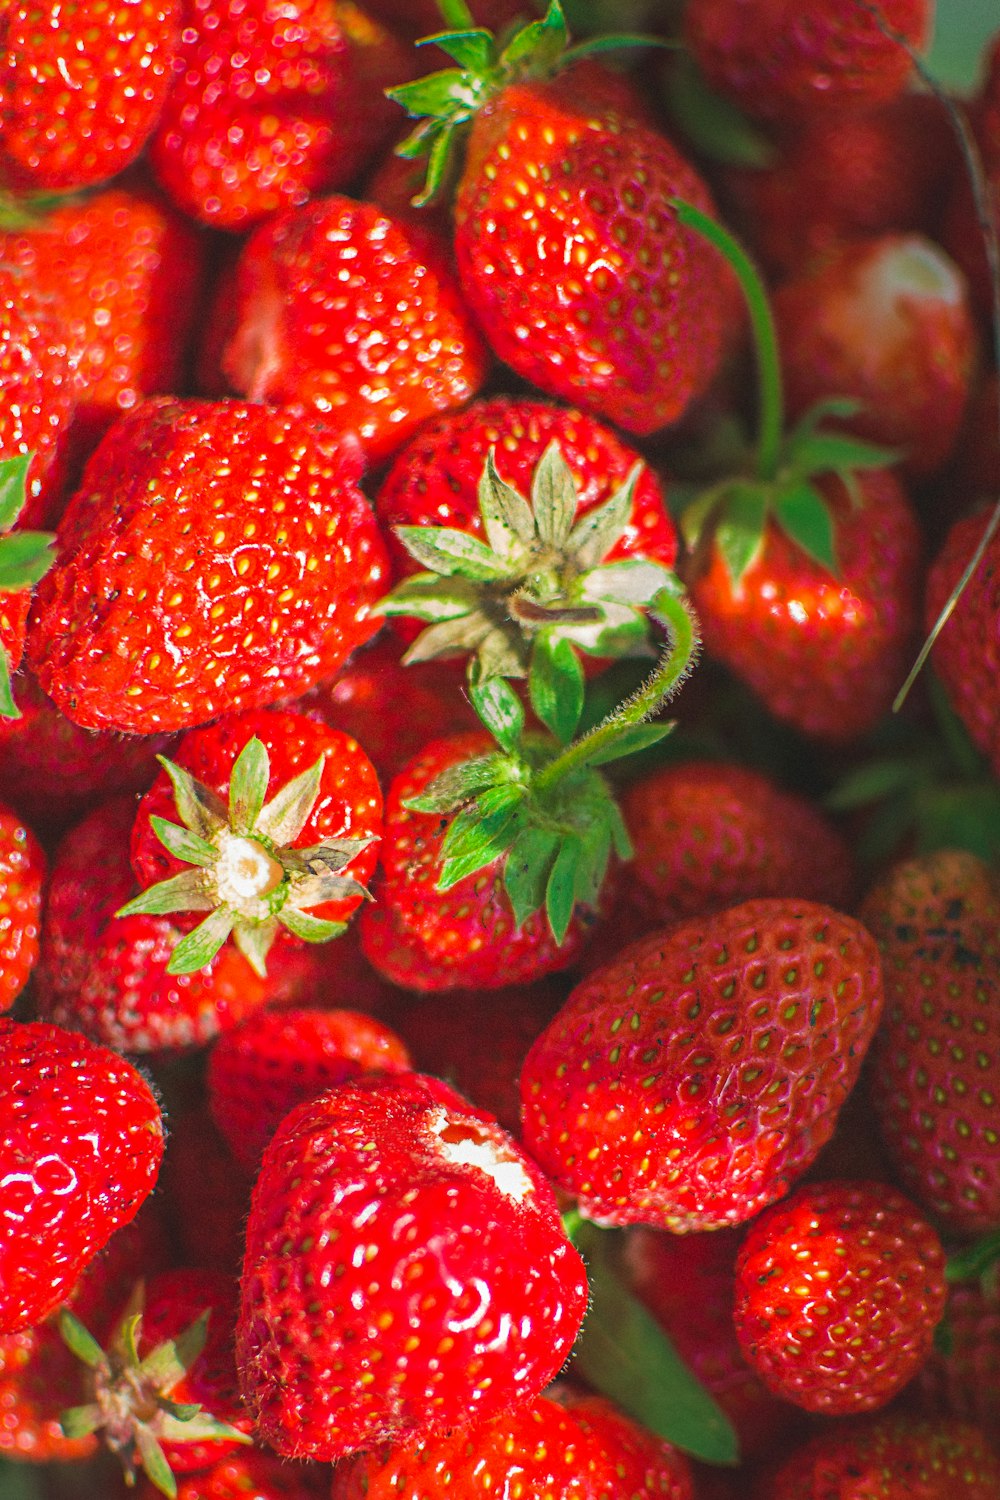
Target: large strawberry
687, 1083
218, 556
406, 1272
82, 1140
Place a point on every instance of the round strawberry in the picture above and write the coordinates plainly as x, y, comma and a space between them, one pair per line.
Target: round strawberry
967, 651
406, 1272
838, 1292
82, 1140
888, 1458
22, 871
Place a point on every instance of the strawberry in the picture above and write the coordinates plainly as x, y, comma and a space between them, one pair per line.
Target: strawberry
838, 1292
207, 1195
406, 1272
348, 311
546, 1447
258, 499
83, 85
271, 105
884, 321
788, 60
247, 1473
38, 395
107, 975
888, 1458
967, 652
280, 820
259, 1071
22, 872
961, 1378
687, 1083
936, 919
82, 1142
577, 270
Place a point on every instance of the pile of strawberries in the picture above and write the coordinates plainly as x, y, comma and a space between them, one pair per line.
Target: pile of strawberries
428, 1069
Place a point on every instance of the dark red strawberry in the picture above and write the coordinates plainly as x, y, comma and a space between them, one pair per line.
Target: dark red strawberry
38, 394
967, 652
22, 873
888, 1458
406, 1272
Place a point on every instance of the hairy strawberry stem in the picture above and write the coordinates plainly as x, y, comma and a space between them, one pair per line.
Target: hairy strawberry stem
771, 418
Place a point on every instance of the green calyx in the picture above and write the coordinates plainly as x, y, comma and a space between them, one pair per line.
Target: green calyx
25, 556
245, 874
537, 587
131, 1405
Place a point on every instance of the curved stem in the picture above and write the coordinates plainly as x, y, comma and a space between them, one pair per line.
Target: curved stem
765, 338
674, 612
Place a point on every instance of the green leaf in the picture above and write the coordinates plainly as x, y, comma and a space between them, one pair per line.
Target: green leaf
13, 488
700, 511
439, 159
873, 781
472, 49
480, 834
80, 1341
248, 786
198, 807
714, 126
596, 532
447, 550
804, 517
500, 710
633, 580
154, 1461
25, 557
456, 13
310, 929
624, 1354
428, 596
457, 784
560, 891
556, 686
740, 531
183, 844
283, 818
437, 95
632, 739
972, 1261
456, 637
506, 514
200, 946
166, 1365
183, 892
540, 43
78, 1422
526, 871
595, 852
8, 708
553, 497
963, 29
254, 940
826, 452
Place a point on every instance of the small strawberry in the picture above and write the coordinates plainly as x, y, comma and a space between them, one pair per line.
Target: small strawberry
355, 314
279, 818
22, 872
406, 1272
218, 556
82, 1140
966, 654
260, 1070
838, 1292
82, 85
687, 1083
888, 1458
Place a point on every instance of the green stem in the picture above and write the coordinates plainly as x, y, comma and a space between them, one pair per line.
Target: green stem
765, 338
674, 612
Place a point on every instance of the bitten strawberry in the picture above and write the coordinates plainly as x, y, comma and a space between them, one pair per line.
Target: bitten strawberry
82, 1140
838, 1292
406, 1272
687, 1083
218, 556
22, 871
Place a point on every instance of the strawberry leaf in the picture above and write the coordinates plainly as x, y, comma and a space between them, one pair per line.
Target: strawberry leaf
166, 1365
248, 786
310, 929
500, 710
80, 1341
254, 940
447, 550
455, 785
803, 515
972, 1261
13, 488
507, 517
198, 947
472, 50
154, 1462
540, 43
428, 596
527, 870
553, 497
713, 125
8, 708
288, 812
739, 534
560, 890
199, 808
594, 535
454, 637
633, 580
183, 892
182, 843
825, 452
556, 686
632, 739
480, 834
25, 557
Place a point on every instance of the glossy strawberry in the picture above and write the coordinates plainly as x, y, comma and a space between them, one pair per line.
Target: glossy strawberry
82, 1142
206, 1193
22, 873
147, 599
406, 1272
247, 1474
967, 651
838, 1292
356, 315
961, 1378
37, 395
687, 1083
888, 1458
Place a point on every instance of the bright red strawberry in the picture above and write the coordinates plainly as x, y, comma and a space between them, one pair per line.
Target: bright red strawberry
206, 533
248, 1474
356, 315
107, 975
423, 938
22, 872
885, 322
687, 1083
936, 919
258, 1072
37, 395
25, 557
406, 1272
787, 60
82, 1140
888, 1458
838, 1292
82, 87
272, 104
967, 652
568, 1451
266, 820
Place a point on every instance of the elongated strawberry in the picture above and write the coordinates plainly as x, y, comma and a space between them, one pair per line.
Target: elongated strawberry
687, 1083
967, 652
206, 533
406, 1272
22, 871
82, 1142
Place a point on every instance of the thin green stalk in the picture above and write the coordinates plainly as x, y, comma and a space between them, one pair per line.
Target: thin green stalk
771, 418
673, 611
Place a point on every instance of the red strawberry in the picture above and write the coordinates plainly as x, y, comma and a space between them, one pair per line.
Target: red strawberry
38, 394
787, 60
967, 652
889, 1458
258, 1072
838, 1292
406, 1272
82, 1140
147, 600
22, 871
83, 86
249, 1474
271, 105
355, 314
936, 919
687, 1083
545, 1448
279, 819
